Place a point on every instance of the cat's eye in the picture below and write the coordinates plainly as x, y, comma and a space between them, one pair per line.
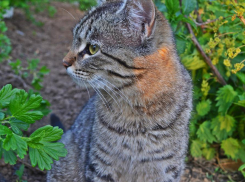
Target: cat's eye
93, 49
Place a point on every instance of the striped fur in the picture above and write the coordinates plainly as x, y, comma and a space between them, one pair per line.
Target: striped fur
135, 129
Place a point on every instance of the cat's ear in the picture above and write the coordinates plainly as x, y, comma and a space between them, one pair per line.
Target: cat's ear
141, 12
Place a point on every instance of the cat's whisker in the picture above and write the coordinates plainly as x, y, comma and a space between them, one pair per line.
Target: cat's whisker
108, 92
87, 89
69, 13
120, 92
101, 96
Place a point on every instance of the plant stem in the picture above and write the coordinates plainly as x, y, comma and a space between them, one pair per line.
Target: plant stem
206, 58
4, 122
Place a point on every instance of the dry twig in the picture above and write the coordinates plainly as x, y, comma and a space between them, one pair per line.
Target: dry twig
206, 58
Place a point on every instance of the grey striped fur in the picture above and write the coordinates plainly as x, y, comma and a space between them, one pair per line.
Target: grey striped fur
135, 129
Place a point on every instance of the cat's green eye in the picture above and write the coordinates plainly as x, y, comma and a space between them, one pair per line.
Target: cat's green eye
93, 49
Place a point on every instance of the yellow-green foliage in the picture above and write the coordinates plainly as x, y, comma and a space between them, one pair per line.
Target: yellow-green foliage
218, 116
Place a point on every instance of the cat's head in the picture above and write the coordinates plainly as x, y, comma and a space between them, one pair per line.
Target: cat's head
109, 38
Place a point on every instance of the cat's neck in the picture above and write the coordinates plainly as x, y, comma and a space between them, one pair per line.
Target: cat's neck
153, 90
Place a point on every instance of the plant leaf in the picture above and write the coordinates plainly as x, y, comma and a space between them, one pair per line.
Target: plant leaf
9, 157
225, 97
188, 6
55, 150
6, 95
38, 156
14, 142
20, 107
42, 151
18, 125
209, 153
4, 130
203, 107
231, 147
204, 132
2, 115
223, 126
51, 133
196, 148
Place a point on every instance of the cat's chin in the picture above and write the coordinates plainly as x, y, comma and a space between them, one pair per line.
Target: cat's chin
79, 80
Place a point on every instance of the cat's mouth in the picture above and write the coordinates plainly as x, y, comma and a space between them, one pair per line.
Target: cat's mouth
77, 74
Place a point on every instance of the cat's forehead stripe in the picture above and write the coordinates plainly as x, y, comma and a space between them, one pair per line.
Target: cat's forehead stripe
94, 14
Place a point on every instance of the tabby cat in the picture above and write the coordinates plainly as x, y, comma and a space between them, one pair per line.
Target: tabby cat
135, 129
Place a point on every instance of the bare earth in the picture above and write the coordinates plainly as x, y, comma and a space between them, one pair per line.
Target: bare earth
50, 43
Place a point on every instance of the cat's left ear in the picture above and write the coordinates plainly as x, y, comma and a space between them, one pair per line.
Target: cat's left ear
141, 15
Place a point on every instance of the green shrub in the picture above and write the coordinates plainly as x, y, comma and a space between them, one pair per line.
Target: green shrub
219, 27
18, 110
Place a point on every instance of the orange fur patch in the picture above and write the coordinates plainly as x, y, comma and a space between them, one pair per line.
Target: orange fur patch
159, 74
70, 57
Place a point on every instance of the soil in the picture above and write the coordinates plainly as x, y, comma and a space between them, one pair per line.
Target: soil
50, 43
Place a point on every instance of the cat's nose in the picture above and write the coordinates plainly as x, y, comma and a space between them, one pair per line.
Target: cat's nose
69, 59
66, 64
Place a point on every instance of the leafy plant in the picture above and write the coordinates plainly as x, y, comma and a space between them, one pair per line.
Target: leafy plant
242, 168
32, 6
5, 46
20, 173
212, 47
30, 70
18, 110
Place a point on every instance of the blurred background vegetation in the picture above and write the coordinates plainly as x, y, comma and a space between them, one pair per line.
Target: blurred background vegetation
210, 38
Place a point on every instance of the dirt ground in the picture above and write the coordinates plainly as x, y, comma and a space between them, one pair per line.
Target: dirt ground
50, 43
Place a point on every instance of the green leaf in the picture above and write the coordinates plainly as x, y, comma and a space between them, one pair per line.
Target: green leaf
193, 61
2, 115
172, 6
44, 70
225, 97
20, 172
241, 101
241, 153
42, 150
51, 134
204, 132
15, 142
55, 150
33, 64
196, 148
231, 147
36, 83
6, 94
223, 126
203, 107
209, 153
38, 156
242, 167
188, 6
20, 107
241, 77
16, 66
4, 130
9, 157
18, 125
